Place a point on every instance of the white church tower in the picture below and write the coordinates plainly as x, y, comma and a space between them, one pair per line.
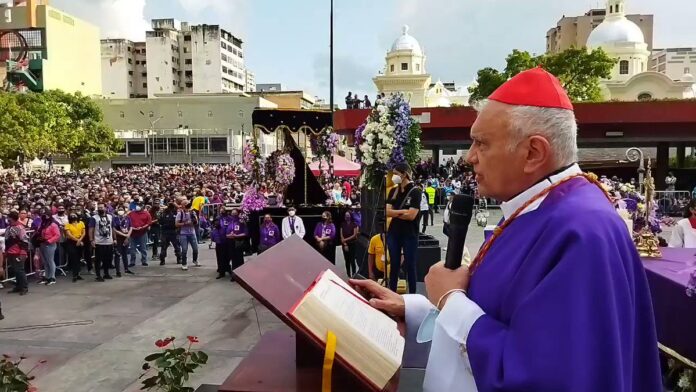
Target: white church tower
405, 71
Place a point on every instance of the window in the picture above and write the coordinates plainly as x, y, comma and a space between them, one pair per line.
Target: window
130, 83
404, 66
224, 45
151, 114
158, 144
143, 51
135, 148
623, 67
130, 73
187, 38
180, 114
122, 115
145, 85
144, 74
645, 97
177, 144
224, 57
129, 48
137, 62
210, 113
687, 70
417, 67
611, 9
144, 62
130, 61
391, 68
189, 84
188, 74
224, 69
173, 82
188, 61
199, 144
185, 50
218, 144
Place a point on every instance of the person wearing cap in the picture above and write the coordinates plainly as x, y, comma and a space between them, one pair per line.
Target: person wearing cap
557, 299
293, 225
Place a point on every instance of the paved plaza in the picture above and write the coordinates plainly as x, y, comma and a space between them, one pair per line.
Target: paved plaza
95, 335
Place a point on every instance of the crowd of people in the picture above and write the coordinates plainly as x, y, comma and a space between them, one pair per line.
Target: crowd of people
104, 222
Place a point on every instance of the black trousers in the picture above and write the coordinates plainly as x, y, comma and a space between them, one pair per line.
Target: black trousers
88, 254
329, 252
155, 237
349, 257
237, 254
74, 253
222, 257
170, 238
103, 255
20, 274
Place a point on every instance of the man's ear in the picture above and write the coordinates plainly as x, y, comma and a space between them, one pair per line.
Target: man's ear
538, 153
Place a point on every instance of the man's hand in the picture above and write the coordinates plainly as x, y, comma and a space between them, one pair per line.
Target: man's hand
382, 298
440, 280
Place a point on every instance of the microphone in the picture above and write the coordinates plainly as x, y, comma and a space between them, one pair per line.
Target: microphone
460, 213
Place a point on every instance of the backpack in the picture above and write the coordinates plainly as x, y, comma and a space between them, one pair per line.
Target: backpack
168, 221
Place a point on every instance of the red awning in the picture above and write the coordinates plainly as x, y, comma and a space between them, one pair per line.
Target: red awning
342, 167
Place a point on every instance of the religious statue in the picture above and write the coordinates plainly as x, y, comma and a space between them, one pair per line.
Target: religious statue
646, 241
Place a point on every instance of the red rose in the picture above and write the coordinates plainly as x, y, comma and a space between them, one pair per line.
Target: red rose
160, 343
193, 339
169, 340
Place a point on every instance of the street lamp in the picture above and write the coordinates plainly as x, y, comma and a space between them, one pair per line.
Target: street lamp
151, 132
241, 114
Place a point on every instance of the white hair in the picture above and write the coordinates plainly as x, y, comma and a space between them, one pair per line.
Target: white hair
558, 126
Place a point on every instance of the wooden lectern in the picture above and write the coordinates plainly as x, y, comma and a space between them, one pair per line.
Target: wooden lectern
288, 361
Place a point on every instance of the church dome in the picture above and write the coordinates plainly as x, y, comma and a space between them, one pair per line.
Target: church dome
407, 42
615, 30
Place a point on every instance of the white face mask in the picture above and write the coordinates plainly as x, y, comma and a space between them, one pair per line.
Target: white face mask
396, 179
121, 213
291, 213
138, 208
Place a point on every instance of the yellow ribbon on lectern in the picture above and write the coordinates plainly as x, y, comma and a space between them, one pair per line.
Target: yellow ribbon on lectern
328, 362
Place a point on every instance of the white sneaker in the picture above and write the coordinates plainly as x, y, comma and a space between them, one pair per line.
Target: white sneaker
1, 286
197, 264
185, 268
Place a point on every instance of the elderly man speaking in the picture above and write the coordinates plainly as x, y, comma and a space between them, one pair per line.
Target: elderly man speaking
557, 299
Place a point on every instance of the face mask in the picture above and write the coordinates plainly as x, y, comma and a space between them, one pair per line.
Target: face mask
326, 217
121, 213
396, 179
101, 212
138, 208
61, 213
291, 213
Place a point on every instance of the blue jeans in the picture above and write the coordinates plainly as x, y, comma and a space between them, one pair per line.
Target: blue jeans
409, 244
185, 240
139, 244
47, 256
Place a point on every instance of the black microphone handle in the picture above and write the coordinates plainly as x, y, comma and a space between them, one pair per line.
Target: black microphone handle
455, 247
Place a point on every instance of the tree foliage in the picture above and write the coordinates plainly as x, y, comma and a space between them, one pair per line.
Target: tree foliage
54, 122
578, 69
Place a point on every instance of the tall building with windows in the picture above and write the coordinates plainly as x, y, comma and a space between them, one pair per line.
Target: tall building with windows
62, 50
176, 58
674, 62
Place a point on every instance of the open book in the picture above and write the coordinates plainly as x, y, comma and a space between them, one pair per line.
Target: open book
366, 339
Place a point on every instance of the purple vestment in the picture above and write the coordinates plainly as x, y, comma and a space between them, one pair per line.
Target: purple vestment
566, 301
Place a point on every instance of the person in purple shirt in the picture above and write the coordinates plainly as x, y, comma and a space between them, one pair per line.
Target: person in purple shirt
226, 246
325, 234
237, 231
269, 234
219, 238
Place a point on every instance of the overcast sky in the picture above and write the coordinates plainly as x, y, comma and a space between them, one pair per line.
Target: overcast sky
287, 41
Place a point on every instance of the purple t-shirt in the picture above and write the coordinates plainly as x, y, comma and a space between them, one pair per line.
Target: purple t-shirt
189, 221
270, 235
324, 230
236, 227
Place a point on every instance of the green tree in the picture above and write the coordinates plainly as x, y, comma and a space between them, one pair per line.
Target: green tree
54, 122
578, 70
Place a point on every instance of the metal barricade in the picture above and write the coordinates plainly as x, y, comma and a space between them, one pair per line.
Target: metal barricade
672, 203
212, 211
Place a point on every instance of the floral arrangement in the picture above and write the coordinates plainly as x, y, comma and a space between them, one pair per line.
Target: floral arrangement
12, 378
324, 146
389, 136
630, 204
253, 200
285, 170
174, 366
251, 159
679, 377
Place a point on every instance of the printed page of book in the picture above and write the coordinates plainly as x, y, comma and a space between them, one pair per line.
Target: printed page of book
350, 306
